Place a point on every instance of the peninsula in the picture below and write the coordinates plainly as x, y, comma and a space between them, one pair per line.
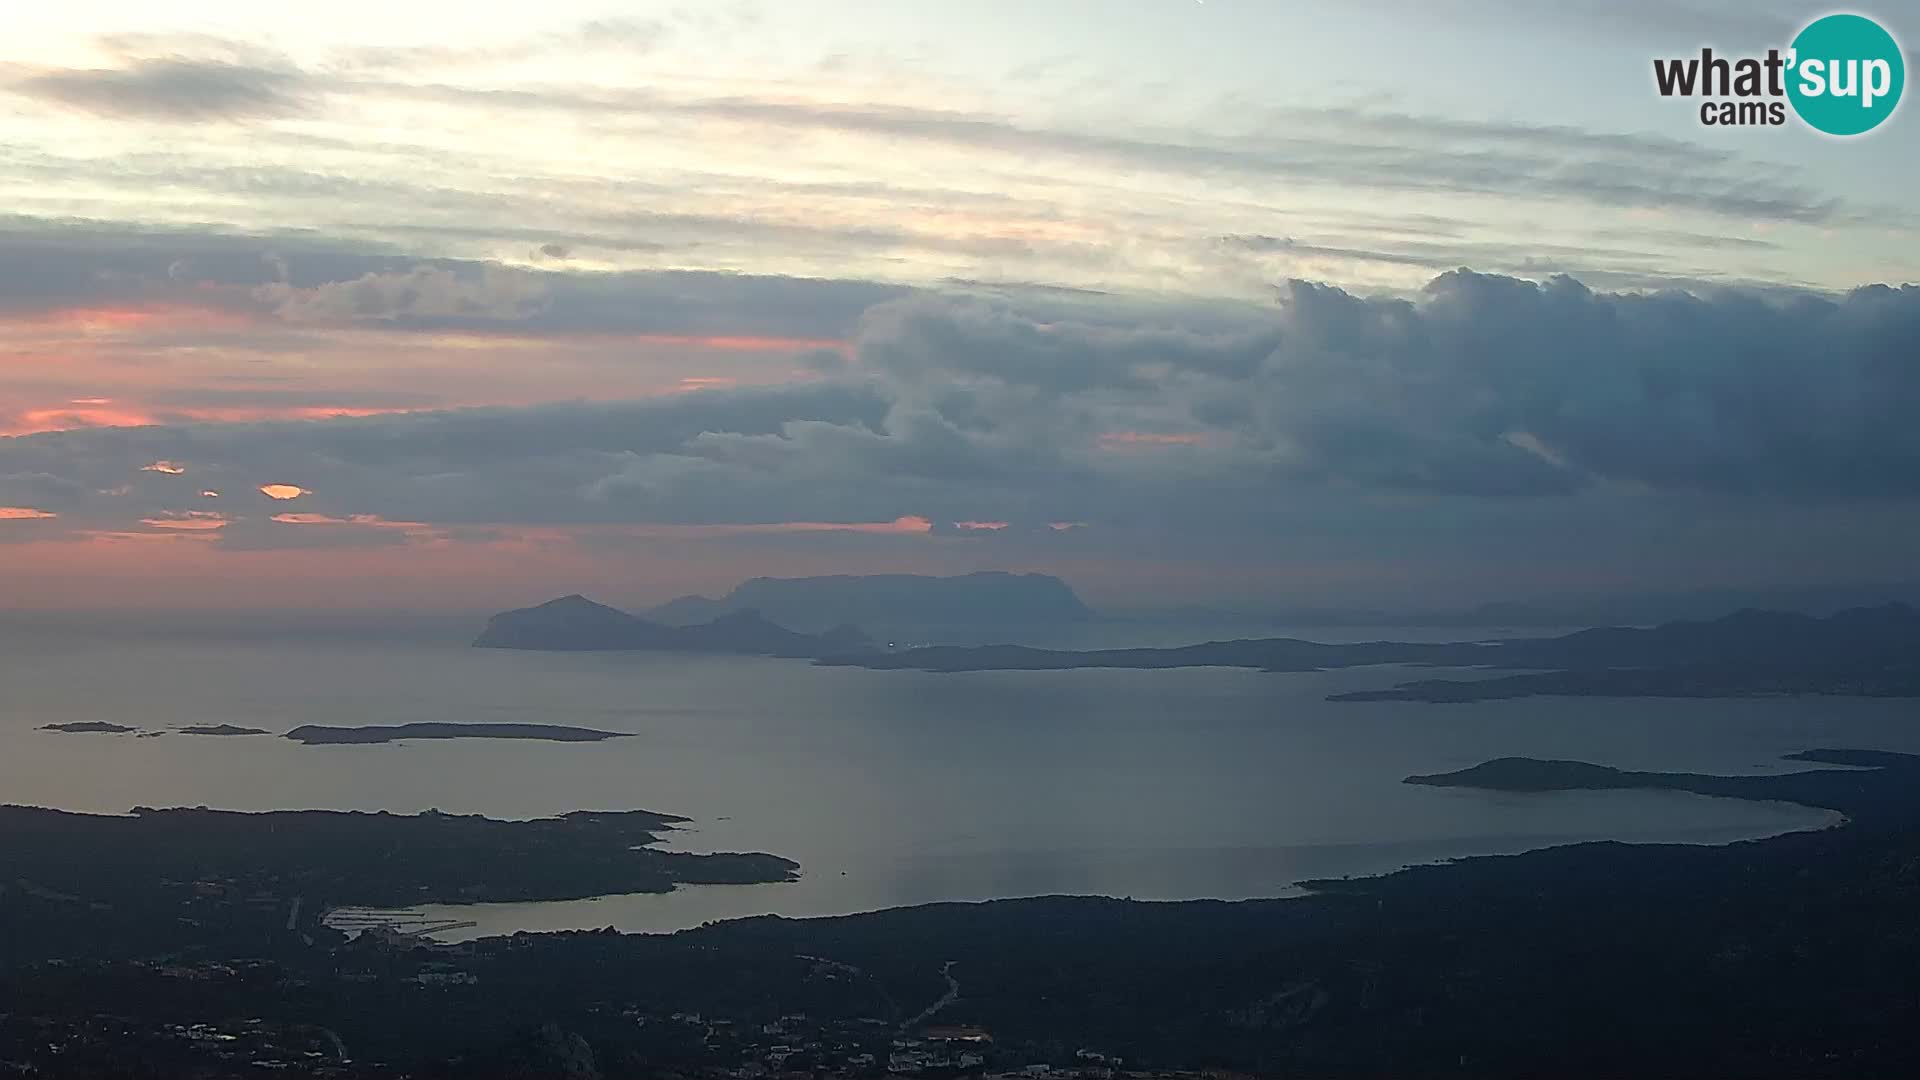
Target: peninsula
153, 881
1871, 786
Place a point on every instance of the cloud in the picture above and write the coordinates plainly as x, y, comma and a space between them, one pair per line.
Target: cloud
187, 520
174, 89
424, 292
272, 534
1750, 23
1330, 146
616, 34
1480, 391
905, 525
59, 265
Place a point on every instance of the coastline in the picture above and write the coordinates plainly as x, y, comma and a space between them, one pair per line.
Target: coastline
691, 906
1687, 955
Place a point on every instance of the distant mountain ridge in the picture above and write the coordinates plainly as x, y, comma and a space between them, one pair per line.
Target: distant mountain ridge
985, 598
1887, 633
577, 624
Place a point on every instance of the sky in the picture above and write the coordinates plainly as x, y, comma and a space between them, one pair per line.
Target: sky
445, 307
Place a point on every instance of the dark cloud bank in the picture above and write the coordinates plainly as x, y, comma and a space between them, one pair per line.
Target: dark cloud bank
1480, 388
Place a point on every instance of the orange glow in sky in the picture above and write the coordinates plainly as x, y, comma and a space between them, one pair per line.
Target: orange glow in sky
283, 492
111, 320
108, 414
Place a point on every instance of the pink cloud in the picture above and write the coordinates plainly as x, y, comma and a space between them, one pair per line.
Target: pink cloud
1117, 439
906, 525
187, 521
369, 520
103, 412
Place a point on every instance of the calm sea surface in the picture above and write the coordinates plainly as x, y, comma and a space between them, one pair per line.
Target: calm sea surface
890, 788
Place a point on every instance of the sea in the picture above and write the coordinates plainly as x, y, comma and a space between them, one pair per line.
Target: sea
889, 788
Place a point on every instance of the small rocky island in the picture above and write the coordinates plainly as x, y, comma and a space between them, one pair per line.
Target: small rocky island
323, 734
221, 729
89, 727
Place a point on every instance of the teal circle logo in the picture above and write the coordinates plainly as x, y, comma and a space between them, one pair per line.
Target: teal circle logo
1846, 74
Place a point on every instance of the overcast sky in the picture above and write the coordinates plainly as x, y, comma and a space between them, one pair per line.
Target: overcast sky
444, 307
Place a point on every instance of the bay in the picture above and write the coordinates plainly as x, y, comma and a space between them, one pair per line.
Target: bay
889, 788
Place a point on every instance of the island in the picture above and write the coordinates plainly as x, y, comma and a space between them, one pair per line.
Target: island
577, 624
323, 734
89, 727
221, 729
1860, 652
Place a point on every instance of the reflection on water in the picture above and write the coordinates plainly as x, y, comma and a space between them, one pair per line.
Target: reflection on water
894, 787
